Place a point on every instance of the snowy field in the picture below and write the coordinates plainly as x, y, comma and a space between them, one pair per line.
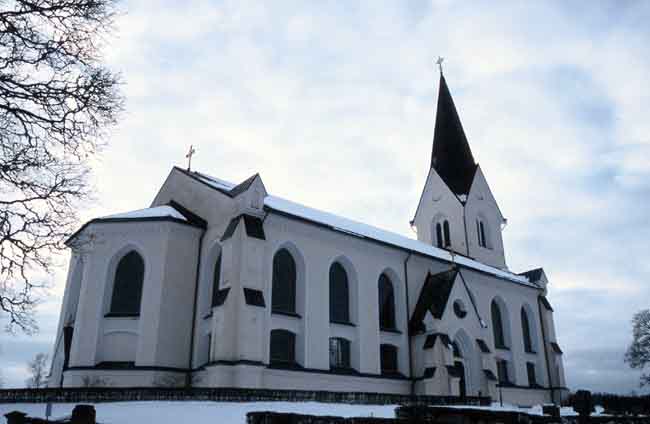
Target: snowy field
223, 412
198, 412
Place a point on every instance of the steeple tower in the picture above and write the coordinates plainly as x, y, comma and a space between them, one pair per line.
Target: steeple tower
451, 156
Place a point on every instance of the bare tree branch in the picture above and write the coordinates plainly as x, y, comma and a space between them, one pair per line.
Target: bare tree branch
57, 101
638, 353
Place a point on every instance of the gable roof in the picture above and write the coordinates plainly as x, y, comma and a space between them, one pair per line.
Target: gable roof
357, 229
533, 275
451, 156
433, 297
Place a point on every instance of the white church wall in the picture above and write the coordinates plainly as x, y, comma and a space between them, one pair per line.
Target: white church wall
438, 203
482, 205
96, 336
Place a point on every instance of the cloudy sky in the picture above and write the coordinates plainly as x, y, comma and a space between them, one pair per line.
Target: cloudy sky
333, 103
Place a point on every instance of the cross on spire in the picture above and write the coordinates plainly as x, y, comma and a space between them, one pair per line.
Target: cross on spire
439, 63
189, 155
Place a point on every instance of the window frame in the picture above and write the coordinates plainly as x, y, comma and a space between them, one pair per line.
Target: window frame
339, 353
284, 281
387, 310
123, 280
498, 330
288, 339
388, 353
339, 294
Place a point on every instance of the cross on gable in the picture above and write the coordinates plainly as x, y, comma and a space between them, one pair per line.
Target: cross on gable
189, 155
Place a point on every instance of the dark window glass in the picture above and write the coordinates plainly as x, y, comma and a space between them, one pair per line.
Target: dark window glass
216, 277
386, 303
530, 368
525, 328
478, 232
483, 239
502, 371
127, 288
209, 347
456, 350
497, 327
388, 359
459, 309
439, 239
339, 295
447, 236
339, 353
283, 289
283, 347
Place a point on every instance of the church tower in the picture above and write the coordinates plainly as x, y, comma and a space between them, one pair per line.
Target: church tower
457, 210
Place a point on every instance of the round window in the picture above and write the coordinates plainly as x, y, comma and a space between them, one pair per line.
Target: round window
459, 309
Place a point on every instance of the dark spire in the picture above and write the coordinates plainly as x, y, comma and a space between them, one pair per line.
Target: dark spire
451, 156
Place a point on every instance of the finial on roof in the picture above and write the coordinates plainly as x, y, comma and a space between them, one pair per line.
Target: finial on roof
439, 63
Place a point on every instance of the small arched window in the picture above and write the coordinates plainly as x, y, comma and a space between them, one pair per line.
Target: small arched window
283, 287
216, 277
445, 228
339, 353
388, 359
283, 347
497, 326
525, 329
127, 287
443, 235
439, 240
480, 233
386, 303
339, 294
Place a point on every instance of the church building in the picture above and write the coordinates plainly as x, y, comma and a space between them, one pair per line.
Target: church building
225, 285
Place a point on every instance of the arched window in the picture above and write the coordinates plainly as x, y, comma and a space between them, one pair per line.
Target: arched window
386, 303
445, 228
339, 294
439, 240
480, 232
216, 277
339, 353
497, 326
525, 329
283, 289
283, 347
127, 287
388, 359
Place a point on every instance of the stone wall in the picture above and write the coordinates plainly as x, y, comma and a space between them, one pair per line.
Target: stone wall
94, 395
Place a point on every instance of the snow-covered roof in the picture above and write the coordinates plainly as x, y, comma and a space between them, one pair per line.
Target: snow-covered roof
362, 230
155, 212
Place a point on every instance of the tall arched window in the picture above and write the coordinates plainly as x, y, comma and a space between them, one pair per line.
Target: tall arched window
525, 329
127, 287
443, 236
283, 347
386, 303
480, 232
339, 294
283, 288
439, 240
216, 277
445, 229
497, 327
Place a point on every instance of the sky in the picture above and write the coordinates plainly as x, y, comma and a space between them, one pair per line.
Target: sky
333, 104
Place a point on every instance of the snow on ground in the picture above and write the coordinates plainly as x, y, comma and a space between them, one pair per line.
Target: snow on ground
196, 412
232, 412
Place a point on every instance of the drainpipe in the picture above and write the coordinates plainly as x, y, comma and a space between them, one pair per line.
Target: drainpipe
548, 367
188, 377
408, 332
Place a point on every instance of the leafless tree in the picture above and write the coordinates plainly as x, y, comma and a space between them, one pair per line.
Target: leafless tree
37, 368
638, 353
57, 102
